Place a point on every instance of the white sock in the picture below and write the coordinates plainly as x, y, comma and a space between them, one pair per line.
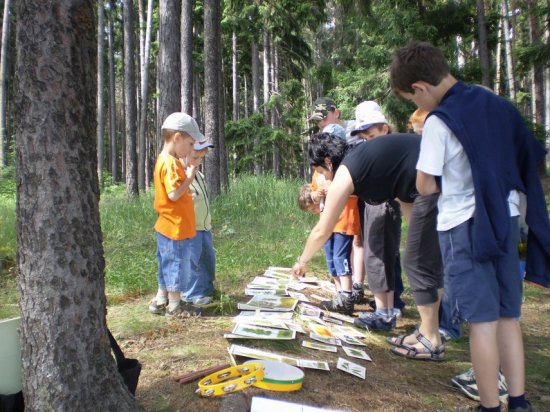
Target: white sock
173, 304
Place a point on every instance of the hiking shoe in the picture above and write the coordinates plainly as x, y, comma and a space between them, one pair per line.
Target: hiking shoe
466, 382
156, 308
374, 321
182, 311
340, 303
205, 300
358, 293
398, 313
527, 408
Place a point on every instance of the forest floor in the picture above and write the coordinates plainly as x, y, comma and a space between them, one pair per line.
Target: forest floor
170, 348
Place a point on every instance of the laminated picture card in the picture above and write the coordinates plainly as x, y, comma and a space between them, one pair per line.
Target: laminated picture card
319, 346
246, 352
352, 368
254, 292
269, 303
357, 353
260, 332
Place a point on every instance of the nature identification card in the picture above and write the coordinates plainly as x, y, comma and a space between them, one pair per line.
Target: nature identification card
319, 346
352, 368
357, 353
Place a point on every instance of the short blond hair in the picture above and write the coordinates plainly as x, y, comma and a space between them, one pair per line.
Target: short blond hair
167, 134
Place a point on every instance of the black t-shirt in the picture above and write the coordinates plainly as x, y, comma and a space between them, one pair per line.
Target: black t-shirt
384, 168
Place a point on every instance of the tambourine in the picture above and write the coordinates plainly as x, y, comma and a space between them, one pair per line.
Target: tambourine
232, 379
279, 376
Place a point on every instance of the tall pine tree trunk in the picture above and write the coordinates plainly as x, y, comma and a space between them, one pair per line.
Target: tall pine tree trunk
256, 98
169, 73
4, 83
112, 98
537, 101
130, 117
100, 90
144, 98
235, 75
483, 50
187, 56
66, 356
275, 115
212, 55
511, 80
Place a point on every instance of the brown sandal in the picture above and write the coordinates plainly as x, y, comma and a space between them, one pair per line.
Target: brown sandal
429, 352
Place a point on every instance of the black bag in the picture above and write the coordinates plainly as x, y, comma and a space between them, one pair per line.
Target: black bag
128, 368
12, 403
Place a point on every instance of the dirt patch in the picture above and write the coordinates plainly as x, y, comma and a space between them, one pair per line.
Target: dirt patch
171, 348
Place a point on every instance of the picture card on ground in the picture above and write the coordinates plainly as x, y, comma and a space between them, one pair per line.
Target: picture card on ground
319, 298
312, 364
260, 404
261, 280
295, 326
309, 310
350, 340
300, 296
340, 316
296, 286
269, 303
352, 368
257, 321
309, 279
260, 332
347, 330
319, 346
323, 339
246, 352
357, 353
270, 315
279, 269
254, 292
321, 330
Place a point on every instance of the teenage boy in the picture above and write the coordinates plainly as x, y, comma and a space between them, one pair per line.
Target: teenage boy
478, 152
325, 113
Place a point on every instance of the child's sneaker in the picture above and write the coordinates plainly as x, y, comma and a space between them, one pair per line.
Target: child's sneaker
374, 321
340, 303
205, 300
358, 293
157, 308
466, 382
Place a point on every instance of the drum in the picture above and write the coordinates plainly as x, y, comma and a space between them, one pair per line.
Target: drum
279, 376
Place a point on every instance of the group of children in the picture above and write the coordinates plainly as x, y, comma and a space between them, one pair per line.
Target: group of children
185, 252
463, 178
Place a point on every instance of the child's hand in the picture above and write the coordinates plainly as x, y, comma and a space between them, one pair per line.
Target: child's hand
190, 170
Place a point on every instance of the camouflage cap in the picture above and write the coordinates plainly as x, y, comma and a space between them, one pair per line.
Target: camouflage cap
321, 107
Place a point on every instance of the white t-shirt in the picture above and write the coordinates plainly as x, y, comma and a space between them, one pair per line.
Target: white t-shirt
441, 154
349, 126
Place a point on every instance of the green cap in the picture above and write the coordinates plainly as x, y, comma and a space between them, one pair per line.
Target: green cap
321, 107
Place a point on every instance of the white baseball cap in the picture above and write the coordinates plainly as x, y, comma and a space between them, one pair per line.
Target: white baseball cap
367, 114
336, 130
182, 122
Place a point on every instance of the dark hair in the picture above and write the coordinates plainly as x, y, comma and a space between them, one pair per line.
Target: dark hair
417, 61
323, 145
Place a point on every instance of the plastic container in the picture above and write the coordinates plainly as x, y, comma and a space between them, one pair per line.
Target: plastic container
10, 357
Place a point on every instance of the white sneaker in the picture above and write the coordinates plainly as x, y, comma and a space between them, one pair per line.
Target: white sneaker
397, 313
205, 300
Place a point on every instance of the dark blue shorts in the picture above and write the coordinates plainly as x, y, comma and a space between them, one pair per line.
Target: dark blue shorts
338, 253
481, 291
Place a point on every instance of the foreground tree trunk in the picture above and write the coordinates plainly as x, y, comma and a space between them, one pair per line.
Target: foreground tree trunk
112, 98
187, 57
67, 362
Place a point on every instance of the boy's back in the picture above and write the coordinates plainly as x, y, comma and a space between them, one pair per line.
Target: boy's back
176, 218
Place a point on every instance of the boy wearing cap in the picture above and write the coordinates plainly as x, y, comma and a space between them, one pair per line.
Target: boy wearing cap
382, 235
478, 145
175, 225
198, 285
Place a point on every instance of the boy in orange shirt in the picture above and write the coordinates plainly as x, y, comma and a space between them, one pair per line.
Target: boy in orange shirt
175, 225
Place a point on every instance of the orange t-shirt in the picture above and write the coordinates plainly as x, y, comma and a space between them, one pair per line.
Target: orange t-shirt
348, 222
176, 219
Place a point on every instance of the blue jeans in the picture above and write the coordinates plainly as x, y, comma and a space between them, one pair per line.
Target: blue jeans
198, 281
338, 253
174, 259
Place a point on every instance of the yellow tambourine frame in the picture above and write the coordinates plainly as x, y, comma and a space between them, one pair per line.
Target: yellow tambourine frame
232, 379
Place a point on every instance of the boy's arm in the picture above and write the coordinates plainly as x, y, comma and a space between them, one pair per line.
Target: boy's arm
176, 194
425, 183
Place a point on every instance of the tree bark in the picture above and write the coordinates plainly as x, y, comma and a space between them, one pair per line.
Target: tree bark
100, 90
223, 167
130, 100
212, 55
112, 98
275, 119
187, 56
483, 50
4, 83
169, 73
508, 51
255, 98
144, 98
66, 356
235, 75
267, 75
537, 81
